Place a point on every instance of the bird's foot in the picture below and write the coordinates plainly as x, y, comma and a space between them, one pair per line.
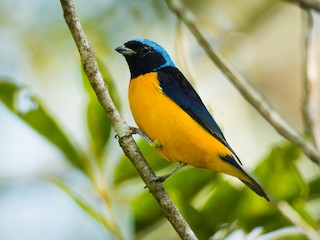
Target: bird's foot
166, 176
135, 130
153, 143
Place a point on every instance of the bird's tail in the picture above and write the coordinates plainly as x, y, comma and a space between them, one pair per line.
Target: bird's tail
254, 186
238, 172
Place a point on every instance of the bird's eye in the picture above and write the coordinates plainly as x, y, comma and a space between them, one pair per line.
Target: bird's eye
145, 50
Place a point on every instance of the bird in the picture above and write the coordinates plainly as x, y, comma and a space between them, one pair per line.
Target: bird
172, 116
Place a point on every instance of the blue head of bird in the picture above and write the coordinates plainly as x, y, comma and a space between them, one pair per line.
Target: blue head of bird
144, 56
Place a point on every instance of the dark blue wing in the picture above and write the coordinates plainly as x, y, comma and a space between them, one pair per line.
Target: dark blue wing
177, 87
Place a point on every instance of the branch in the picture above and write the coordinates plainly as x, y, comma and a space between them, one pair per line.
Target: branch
182, 47
257, 100
121, 128
307, 28
297, 220
310, 102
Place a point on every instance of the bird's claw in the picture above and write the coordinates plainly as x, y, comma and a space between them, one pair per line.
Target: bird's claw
160, 178
153, 143
135, 130
166, 176
156, 144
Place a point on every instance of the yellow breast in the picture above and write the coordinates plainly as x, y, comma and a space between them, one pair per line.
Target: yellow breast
181, 137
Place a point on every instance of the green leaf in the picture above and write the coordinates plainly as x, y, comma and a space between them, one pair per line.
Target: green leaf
125, 170
190, 181
80, 202
279, 174
98, 125
29, 108
146, 210
314, 188
109, 83
90, 210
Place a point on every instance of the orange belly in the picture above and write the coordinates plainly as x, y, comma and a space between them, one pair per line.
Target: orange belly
181, 137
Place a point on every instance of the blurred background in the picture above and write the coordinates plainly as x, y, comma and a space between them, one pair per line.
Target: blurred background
262, 39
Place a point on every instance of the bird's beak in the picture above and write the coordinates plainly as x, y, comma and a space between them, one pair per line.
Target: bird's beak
125, 51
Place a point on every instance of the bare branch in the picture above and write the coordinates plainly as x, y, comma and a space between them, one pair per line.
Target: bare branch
307, 28
310, 102
258, 101
182, 47
295, 218
120, 126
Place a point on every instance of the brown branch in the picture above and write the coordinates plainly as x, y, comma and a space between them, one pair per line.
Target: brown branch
121, 128
256, 99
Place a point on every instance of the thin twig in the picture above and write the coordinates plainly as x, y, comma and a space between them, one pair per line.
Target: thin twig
257, 100
307, 22
121, 128
295, 218
310, 101
102, 193
182, 46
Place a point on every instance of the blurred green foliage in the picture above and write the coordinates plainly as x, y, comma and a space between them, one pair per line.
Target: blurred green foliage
30, 109
211, 203
223, 202
98, 125
207, 200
